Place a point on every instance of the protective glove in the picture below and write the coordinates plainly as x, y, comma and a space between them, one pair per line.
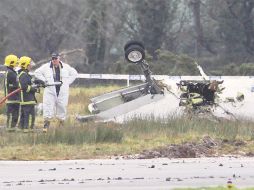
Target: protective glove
35, 89
39, 83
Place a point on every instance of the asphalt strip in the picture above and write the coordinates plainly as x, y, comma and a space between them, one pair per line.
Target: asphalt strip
124, 174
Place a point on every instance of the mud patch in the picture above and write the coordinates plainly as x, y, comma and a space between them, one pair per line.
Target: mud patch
207, 147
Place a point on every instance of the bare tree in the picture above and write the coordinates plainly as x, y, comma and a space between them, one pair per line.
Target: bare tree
3, 34
152, 17
200, 39
242, 11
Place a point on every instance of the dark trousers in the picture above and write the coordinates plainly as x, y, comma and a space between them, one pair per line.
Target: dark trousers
27, 116
12, 111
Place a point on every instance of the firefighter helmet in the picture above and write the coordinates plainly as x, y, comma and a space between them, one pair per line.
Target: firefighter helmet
24, 62
11, 60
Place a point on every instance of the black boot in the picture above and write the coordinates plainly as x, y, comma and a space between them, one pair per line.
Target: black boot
60, 123
46, 125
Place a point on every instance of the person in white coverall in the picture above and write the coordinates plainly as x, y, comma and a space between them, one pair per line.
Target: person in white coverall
55, 98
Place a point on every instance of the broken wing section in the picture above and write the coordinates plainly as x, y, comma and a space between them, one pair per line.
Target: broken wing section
135, 101
112, 99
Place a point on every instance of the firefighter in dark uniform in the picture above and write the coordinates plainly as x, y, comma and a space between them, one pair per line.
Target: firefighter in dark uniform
11, 84
27, 95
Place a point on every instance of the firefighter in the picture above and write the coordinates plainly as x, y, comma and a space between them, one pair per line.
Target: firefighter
11, 84
27, 95
55, 98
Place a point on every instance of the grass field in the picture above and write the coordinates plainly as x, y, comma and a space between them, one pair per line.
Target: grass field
100, 140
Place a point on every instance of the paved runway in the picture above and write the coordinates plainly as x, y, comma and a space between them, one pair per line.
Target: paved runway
121, 174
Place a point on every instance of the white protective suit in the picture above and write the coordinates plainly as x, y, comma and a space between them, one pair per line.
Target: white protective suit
53, 104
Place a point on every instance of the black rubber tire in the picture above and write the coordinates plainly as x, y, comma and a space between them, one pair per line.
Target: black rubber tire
137, 48
133, 42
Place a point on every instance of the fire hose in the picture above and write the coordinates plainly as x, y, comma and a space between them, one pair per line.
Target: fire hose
39, 85
9, 95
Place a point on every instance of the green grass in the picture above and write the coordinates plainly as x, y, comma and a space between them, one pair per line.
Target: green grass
97, 140
173, 127
107, 139
65, 135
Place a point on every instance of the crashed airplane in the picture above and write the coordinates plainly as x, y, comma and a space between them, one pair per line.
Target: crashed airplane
214, 98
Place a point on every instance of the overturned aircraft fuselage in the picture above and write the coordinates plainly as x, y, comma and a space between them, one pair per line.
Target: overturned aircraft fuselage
201, 96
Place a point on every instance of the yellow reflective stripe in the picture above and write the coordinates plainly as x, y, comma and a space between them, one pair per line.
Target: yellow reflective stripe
60, 69
196, 100
12, 101
27, 103
21, 73
195, 95
54, 72
28, 88
19, 114
5, 83
21, 95
21, 92
29, 121
9, 121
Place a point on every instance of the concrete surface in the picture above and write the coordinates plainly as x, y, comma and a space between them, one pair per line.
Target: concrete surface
126, 174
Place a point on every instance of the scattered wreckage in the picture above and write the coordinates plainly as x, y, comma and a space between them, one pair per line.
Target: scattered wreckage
192, 96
